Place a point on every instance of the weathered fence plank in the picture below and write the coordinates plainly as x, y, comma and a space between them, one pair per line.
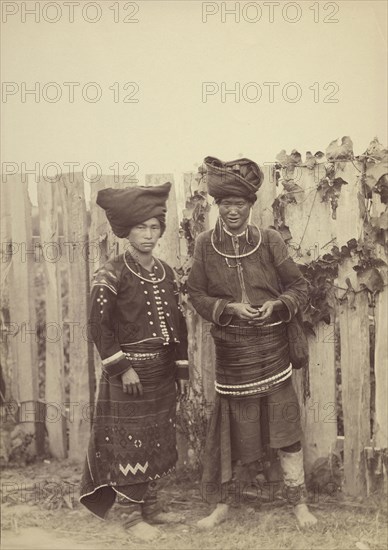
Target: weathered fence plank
80, 351
381, 368
53, 333
308, 218
355, 373
5, 259
22, 310
311, 227
349, 218
380, 427
319, 412
353, 314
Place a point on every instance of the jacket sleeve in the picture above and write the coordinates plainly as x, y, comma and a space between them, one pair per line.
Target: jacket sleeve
104, 332
293, 284
209, 307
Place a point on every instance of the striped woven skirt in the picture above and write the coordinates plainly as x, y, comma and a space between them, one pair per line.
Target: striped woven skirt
133, 439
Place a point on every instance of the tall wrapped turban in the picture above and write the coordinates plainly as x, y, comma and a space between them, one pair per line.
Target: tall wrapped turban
131, 206
240, 178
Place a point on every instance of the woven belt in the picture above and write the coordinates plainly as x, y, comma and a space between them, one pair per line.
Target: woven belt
254, 387
263, 325
142, 356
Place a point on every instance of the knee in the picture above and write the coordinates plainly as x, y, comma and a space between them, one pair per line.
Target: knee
294, 448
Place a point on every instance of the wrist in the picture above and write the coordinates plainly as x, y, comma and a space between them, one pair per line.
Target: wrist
229, 308
277, 305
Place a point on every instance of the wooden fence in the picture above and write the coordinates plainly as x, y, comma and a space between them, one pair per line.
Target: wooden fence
74, 239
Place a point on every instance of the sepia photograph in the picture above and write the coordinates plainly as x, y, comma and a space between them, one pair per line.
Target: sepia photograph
194, 275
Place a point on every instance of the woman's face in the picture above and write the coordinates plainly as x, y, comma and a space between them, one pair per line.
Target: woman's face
145, 235
234, 212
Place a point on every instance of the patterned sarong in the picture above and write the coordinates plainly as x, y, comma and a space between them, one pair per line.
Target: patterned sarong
255, 404
133, 439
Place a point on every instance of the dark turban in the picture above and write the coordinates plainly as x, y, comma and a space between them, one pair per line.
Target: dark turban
128, 207
240, 178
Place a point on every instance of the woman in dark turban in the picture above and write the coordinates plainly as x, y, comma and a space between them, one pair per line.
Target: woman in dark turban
140, 333
245, 283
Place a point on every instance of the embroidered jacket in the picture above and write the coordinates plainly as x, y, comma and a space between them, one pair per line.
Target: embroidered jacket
269, 274
127, 310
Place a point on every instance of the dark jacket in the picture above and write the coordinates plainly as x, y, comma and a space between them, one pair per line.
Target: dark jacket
127, 310
269, 274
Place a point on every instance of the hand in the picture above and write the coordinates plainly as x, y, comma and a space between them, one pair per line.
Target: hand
131, 383
266, 310
242, 311
183, 389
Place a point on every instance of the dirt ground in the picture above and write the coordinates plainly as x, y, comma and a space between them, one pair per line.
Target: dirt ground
40, 510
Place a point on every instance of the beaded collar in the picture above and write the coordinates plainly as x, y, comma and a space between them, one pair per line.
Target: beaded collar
236, 256
152, 281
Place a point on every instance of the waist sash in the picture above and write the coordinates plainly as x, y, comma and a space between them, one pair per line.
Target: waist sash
151, 361
252, 360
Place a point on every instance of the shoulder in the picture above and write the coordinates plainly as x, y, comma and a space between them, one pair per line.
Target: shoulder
271, 237
203, 237
109, 274
275, 244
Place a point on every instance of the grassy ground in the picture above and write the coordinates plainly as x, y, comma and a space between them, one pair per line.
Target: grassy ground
40, 510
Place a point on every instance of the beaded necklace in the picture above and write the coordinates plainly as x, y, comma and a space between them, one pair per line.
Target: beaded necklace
245, 232
152, 281
235, 256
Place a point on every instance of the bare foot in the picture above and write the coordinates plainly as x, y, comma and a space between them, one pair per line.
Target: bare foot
216, 517
304, 516
167, 517
143, 531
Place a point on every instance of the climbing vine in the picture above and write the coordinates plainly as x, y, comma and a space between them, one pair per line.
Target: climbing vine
322, 272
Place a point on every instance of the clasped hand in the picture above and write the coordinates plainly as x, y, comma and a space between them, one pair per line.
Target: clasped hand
253, 315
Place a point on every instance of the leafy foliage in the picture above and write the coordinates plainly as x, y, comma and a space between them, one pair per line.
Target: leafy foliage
322, 272
320, 275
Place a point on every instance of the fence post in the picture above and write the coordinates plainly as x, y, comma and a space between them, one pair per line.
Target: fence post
355, 372
80, 351
380, 426
22, 311
381, 367
5, 259
311, 227
319, 412
54, 364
